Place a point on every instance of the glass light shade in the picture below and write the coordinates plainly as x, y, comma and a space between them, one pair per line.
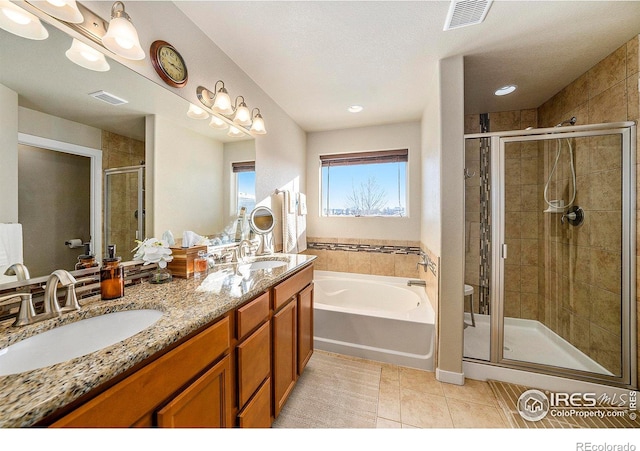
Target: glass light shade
243, 115
66, 10
87, 57
217, 123
508, 89
234, 132
122, 39
257, 126
197, 113
222, 103
20, 22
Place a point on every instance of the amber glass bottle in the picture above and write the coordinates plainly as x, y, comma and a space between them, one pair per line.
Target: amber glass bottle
111, 275
87, 260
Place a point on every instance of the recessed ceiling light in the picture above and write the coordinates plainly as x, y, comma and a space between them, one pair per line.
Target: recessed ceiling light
508, 89
355, 109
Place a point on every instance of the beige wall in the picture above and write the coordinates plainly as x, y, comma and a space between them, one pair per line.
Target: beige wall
8, 155
382, 137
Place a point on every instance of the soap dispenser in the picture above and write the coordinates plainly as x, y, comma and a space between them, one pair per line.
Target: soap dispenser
87, 260
111, 275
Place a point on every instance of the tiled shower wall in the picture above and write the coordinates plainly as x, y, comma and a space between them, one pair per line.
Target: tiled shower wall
117, 152
583, 309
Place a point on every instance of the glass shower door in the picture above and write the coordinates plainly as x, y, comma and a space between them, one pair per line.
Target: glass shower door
124, 220
566, 210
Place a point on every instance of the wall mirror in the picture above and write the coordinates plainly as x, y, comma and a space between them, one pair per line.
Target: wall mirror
262, 222
50, 86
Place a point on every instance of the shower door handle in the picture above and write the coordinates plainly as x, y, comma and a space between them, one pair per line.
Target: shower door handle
504, 251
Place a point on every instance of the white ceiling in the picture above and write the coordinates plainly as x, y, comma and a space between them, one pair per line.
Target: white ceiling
315, 58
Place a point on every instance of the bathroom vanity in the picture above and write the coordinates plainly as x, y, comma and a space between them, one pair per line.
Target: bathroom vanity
226, 352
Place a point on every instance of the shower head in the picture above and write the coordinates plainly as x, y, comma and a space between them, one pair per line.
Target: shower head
571, 121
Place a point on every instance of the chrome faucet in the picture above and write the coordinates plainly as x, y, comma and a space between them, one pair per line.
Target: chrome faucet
51, 306
412, 282
19, 270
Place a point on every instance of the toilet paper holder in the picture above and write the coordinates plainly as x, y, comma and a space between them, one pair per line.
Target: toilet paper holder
74, 243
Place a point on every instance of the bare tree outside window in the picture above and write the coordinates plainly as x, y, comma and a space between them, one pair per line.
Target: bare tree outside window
367, 199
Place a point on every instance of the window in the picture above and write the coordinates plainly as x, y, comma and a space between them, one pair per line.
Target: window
245, 175
365, 183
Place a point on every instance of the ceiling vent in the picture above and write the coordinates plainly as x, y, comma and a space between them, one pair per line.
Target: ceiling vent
107, 97
463, 13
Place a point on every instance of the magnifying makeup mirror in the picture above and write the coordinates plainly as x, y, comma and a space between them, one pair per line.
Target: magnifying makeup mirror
262, 222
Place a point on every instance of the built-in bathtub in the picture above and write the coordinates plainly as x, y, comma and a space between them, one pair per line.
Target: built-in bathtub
373, 317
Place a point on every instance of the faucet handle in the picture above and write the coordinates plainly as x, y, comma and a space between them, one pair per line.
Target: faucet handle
26, 312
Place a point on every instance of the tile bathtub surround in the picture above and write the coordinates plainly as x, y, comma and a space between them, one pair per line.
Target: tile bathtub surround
382, 257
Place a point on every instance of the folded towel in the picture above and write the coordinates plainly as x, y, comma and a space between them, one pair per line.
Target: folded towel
302, 204
289, 236
10, 244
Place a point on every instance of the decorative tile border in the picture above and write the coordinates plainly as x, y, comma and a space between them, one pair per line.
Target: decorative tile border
374, 248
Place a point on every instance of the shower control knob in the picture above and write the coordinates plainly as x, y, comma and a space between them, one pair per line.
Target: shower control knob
574, 216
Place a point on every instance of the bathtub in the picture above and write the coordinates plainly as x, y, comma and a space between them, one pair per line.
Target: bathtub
373, 317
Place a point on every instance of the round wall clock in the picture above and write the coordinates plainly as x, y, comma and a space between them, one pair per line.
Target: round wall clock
169, 64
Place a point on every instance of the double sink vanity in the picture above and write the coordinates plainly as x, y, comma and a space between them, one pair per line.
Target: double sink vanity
222, 350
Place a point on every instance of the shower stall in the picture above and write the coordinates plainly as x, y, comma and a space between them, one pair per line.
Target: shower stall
124, 217
550, 228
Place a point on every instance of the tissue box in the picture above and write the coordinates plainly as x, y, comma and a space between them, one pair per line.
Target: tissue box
182, 263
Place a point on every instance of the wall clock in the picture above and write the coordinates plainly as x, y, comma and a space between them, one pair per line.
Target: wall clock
169, 64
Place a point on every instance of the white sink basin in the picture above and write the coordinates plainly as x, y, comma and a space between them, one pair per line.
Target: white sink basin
74, 340
266, 264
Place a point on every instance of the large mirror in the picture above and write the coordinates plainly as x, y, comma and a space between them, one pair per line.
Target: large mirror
148, 144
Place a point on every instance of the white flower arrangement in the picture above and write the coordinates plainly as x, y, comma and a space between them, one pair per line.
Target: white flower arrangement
153, 250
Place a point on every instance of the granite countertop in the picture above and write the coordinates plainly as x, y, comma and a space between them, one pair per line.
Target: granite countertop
187, 305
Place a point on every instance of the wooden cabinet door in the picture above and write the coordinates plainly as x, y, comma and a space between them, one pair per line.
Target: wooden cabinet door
254, 363
305, 327
285, 369
205, 403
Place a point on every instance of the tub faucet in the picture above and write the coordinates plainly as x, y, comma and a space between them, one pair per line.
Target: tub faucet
420, 283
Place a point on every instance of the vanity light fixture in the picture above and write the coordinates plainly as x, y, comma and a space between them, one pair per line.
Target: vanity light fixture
20, 22
217, 123
234, 132
122, 37
66, 10
257, 123
243, 115
87, 57
508, 89
220, 103
196, 112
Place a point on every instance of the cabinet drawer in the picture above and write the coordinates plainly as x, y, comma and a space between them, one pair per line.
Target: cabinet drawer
251, 315
254, 363
285, 290
126, 402
257, 412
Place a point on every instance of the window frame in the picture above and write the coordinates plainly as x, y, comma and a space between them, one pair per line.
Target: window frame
238, 167
361, 158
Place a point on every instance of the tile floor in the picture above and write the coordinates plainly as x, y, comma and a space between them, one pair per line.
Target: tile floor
411, 398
